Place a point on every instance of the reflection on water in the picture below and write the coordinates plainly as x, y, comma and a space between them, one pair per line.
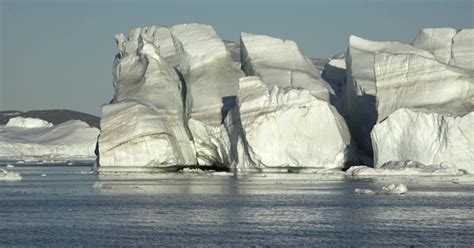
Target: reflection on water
71, 206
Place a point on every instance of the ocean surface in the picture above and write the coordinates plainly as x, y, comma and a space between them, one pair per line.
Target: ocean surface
66, 206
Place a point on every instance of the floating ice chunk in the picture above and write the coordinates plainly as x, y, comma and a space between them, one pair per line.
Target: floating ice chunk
404, 168
9, 175
364, 192
21, 122
395, 189
9, 166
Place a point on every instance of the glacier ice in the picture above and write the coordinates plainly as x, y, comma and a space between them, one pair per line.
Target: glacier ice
288, 127
412, 81
424, 104
184, 97
448, 45
211, 79
188, 104
37, 140
280, 63
10, 175
147, 112
359, 92
429, 138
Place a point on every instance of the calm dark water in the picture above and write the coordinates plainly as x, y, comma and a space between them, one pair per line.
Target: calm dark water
71, 207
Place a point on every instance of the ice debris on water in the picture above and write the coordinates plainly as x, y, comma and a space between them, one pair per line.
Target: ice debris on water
9, 175
395, 189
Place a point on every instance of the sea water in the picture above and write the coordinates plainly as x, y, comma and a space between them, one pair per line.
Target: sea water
64, 206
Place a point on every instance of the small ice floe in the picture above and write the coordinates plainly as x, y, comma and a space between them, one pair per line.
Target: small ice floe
20, 162
364, 192
192, 171
395, 189
404, 168
70, 163
9, 175
43, 175
9, 166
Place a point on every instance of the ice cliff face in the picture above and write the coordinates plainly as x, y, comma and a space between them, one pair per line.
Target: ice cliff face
288, 127
37, 140
421, 98
145, 124
184, 97
181, 100
429, 138
280, 63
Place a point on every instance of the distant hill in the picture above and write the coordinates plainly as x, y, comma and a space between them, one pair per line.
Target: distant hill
55, 116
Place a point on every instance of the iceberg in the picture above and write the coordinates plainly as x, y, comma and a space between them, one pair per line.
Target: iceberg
38, 140
425, 104
288, 128
181, 100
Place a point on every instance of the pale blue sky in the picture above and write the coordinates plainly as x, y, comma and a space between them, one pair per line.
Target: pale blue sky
58, 54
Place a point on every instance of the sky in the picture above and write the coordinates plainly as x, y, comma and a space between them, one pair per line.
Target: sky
58, 53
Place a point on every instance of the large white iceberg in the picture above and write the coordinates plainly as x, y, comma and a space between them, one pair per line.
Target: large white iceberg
177, 105
288, 127
37, 140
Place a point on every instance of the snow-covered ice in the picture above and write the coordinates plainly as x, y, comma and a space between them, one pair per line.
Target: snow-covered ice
38, 140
